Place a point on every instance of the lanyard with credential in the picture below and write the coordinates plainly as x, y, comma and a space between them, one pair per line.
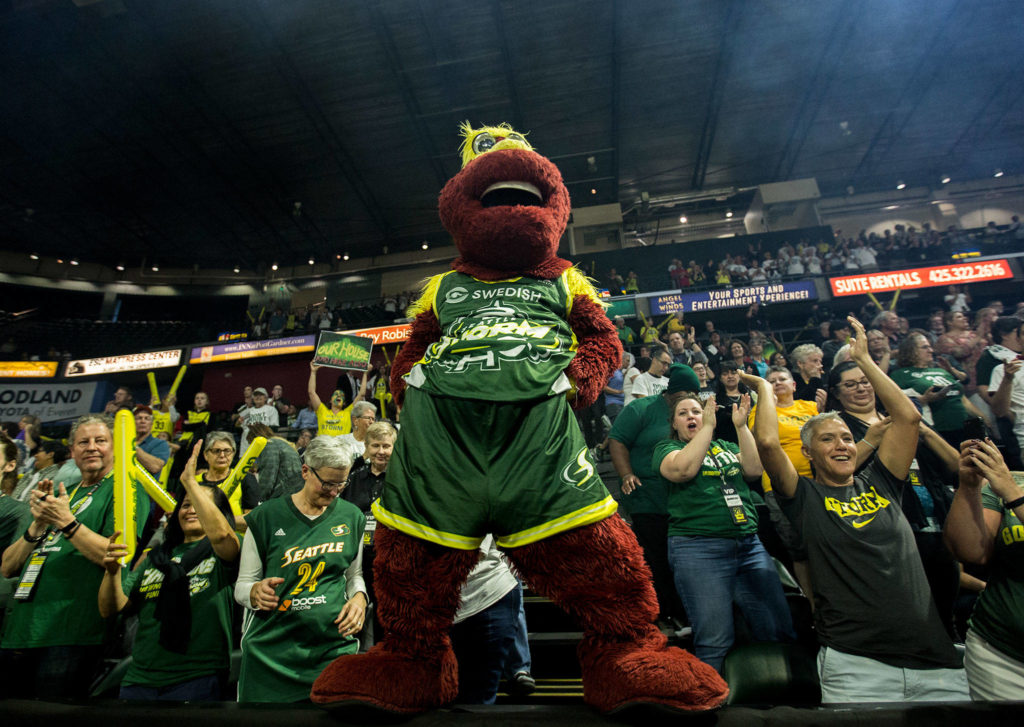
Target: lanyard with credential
30, 576
729, 493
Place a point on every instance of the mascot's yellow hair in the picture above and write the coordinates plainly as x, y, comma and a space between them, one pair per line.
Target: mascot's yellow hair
502, 136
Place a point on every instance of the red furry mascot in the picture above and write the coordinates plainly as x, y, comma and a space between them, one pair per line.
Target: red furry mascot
500, 347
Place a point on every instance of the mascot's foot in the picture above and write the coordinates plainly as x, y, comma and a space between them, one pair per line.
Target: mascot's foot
647, 674
389, 682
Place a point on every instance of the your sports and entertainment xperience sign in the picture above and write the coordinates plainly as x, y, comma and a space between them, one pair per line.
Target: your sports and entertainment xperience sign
921, 277
49, 402
128, 362
739, 297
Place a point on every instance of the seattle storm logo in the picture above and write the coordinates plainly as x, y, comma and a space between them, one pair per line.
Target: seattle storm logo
579, 473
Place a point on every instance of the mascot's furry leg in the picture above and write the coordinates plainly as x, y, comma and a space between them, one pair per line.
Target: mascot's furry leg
413, 668
597, 573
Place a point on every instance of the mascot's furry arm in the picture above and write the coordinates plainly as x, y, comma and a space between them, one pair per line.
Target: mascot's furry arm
598, 351
425, 330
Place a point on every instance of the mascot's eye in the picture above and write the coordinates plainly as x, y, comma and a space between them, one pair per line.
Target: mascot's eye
517, 137
482, 142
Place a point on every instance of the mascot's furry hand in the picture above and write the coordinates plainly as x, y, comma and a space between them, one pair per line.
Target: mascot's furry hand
507, 210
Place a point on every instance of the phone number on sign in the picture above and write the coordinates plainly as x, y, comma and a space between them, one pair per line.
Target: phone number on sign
967, 273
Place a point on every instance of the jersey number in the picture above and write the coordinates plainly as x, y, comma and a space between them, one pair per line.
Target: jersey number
308, 577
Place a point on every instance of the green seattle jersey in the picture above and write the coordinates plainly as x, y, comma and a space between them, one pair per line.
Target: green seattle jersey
62, 608
948, 412
209, 646
697, 507
507, 340
284, 651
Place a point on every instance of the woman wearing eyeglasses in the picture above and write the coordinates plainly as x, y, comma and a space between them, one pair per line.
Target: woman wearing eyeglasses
219, 453
181, 592
301, 580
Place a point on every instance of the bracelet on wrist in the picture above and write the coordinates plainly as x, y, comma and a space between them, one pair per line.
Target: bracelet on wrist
70, 526
873, 446
37, 539
70, 533
1014, 503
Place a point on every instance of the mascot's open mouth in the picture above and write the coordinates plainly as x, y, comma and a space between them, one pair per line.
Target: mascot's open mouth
511, 194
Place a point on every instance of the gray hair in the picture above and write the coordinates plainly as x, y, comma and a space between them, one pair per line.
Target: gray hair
329, 452
218, 436
811, 426
379, 431
103, 419
361, 407
802, 351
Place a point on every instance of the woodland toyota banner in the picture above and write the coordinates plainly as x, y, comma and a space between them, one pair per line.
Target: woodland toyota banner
921, 277
128, 362
49, 402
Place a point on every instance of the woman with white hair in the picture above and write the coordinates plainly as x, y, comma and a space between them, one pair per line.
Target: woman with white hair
301, 581
363, 415
882, 639
807, 372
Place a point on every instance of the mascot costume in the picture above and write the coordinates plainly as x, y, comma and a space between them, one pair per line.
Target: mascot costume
501, 346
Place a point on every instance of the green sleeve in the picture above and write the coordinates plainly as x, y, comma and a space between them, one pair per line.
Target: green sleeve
627, 425
990, 500
662, 450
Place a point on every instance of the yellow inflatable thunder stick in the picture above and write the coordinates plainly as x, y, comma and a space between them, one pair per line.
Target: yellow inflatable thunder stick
232, 486
124, 485
177, 381
152, 486
154, 394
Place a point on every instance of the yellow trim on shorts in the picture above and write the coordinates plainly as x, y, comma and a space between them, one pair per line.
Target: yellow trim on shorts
584, 516
423, 532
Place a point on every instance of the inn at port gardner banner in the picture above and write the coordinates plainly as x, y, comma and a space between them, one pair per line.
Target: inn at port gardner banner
342, 351
739, 297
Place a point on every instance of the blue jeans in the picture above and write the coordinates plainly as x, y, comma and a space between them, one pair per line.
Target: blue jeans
200, 689
481, 644
518, 658
711, 574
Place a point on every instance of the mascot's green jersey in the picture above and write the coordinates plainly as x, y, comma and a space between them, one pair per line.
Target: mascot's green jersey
507, 340
283, 651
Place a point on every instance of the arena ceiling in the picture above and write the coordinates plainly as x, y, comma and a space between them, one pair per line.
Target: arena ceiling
224, 132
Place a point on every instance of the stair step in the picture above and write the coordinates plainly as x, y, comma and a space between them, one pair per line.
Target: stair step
549, 690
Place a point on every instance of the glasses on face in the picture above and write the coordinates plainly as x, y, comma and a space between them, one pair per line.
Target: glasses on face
221, 452
368, 417
851, 385
328, 486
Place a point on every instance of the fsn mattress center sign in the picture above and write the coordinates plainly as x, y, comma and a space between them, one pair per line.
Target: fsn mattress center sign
921, 277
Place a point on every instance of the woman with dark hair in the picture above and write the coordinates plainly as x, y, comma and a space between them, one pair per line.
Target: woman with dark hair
922, 379
778, 358
46, 462
716, 556
960, 342
739, 354
728, 392
932, 476
182, 594
14, 516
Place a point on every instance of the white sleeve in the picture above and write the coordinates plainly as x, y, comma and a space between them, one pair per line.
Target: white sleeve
640, 386
997, 378
354, 582
250, 571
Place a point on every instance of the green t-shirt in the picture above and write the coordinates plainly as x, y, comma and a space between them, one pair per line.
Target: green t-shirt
698, 507
209, 646
999, 614
507, 340
284, 651
15, 517
62, 608
640, 427
948, 413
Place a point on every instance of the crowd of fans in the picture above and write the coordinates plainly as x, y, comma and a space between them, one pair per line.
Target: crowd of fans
872, 462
